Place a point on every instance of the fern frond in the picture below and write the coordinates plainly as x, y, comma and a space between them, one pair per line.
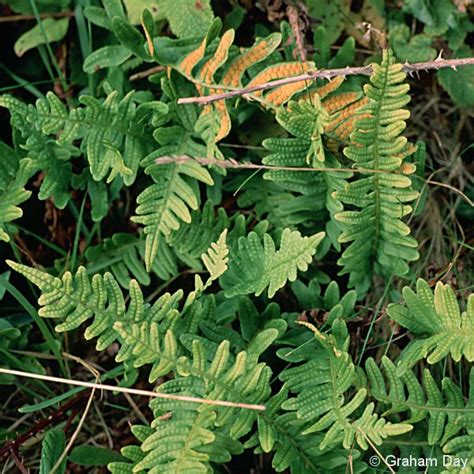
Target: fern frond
164, 205
436, 321
184, 433
380, 240
214, 122
283, 208
306, 120
123, 256
282, 94
76, 299
113, 132
302, 120
14, 175
340, 107
45, 152
321, 385
281, 433
180, 440
258, 266
236, 68
442, 406
462, 446
131, 452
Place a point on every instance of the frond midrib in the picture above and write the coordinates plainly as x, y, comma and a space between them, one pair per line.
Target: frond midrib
375, 157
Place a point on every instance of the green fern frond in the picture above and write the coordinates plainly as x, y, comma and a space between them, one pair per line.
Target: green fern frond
257, 266
436, 321
183, 433
164, 205
179, 440
462, 446
303, 120
306, 120
193, 239
114, 132
45, 152
283, 208
123, 256
14, 175
380, 240
131, 452
281, 434
145, 345
443, 406
321, 385
76, 299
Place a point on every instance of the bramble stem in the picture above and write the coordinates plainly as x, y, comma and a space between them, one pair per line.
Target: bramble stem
438, 63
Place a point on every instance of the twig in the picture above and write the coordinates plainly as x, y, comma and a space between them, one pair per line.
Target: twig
233, 164
134, 391
10, 18
60, 413
293, 17
148, 72
438, 63
19, 464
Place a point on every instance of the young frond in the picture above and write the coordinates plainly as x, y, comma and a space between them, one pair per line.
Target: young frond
256, 266
436, 321
380, 240
216, 258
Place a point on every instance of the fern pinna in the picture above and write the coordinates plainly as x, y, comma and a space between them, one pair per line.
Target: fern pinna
221, 285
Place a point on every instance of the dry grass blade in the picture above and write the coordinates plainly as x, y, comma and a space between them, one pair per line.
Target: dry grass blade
133, 391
